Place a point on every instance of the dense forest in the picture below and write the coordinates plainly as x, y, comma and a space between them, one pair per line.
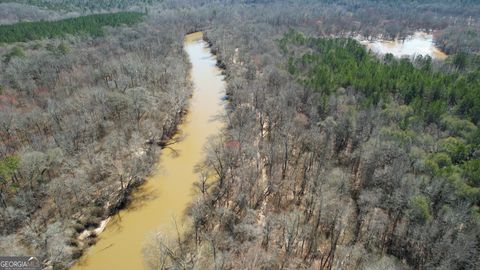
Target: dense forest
91, 24
345, 160
81, 119
341, 159
345, 63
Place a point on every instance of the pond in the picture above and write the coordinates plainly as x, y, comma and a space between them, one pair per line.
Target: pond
419, 43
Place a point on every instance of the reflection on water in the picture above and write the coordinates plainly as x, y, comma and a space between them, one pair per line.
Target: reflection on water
169, 190
418, 44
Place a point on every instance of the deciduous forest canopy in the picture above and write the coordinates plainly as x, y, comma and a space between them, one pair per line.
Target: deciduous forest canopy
342, 158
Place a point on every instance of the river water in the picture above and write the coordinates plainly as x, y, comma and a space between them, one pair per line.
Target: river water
169, 189
418, 44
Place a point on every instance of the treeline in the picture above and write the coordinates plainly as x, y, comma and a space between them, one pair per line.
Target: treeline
455, 39
91, 25
14, 12
84, 5
455, 23
371, 18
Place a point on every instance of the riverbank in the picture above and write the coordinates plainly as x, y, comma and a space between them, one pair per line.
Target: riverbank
161, 200
122, 198
102, 109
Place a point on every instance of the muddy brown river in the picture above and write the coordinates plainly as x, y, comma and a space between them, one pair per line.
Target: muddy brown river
169, 189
